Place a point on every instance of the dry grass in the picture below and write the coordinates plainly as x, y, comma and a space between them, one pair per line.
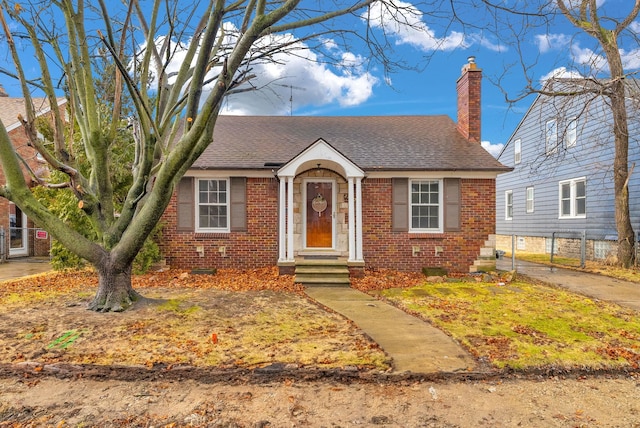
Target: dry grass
195, 320
602, 268
522, 325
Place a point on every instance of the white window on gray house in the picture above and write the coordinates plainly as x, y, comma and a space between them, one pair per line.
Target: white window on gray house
530, 196
547, 245
551, 136
425, 205
571, 134
213, 206
508, 205
517, 151
573, 198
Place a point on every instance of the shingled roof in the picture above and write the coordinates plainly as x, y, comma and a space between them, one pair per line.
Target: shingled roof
374, 143
11, 107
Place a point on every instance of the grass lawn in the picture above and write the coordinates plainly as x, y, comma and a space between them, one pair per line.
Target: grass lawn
230, 320
632, 274
256, 318
522, 325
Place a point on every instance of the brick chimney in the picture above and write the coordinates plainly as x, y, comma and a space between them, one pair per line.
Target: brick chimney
3, 93
468, 86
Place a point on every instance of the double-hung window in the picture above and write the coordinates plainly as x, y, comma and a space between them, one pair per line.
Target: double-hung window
426, 205
508, 205
571, 134
551, 136
530, 197
213, 205
573, 198
517, 151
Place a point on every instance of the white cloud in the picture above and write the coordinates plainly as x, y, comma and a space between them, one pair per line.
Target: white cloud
293, 78
548, 42
635, 27
486, 43
588, 58
493, 149
561, 73
289, 82
404, 21
631, 59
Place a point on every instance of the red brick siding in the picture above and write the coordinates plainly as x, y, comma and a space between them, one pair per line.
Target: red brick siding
19, 140
469, 89
257, 247
384, 248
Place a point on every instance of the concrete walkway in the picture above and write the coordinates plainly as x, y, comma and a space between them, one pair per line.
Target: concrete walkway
601, 287
414, 345
17, 268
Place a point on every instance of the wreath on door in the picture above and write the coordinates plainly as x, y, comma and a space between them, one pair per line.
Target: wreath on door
319, 204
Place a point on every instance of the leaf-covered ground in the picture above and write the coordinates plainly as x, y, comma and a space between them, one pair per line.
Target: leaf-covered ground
231, 319
521, 325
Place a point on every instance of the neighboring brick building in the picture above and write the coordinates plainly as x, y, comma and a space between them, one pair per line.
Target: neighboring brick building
401, 192
22, 237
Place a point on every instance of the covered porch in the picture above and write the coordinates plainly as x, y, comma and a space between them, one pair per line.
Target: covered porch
320, 208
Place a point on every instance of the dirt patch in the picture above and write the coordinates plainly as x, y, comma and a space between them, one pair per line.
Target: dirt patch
199, 353
594, 402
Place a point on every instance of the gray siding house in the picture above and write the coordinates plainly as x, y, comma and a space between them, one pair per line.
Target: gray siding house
562, 182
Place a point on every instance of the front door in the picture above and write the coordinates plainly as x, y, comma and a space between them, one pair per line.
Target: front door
319, 214
17, 231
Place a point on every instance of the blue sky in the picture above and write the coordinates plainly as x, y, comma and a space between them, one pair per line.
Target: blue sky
303, 85
560, 50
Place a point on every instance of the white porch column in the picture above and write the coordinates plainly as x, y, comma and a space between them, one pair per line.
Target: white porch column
282, 222
352, 222
290, 219
359, 256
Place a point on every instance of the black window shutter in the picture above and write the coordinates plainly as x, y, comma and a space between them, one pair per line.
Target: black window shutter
186, 205
238, 204
452, 204
400, 202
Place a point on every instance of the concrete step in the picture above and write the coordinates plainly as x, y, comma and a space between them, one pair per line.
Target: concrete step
488, 252
321, 262
319, 280
317, 269
483, 265
322, 272
491, 241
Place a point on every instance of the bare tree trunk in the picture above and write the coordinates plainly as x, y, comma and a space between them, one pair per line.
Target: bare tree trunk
626, 240
115, 292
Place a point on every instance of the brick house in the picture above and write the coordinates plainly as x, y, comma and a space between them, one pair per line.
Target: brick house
22, 237
401, 192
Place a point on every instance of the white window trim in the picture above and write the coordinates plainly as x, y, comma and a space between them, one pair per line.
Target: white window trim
572, 198
531, 209
506, 204
199, 229
549, 148
571, 133
517, 151
440, 228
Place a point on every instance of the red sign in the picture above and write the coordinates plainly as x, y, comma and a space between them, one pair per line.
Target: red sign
42, 234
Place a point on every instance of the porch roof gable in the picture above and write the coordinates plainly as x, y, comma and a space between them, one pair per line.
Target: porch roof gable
320, 154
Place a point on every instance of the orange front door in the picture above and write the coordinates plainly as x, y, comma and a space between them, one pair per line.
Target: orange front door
319, 215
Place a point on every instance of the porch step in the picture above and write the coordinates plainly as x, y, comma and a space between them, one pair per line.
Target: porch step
486, 261
322, 273
483, 265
